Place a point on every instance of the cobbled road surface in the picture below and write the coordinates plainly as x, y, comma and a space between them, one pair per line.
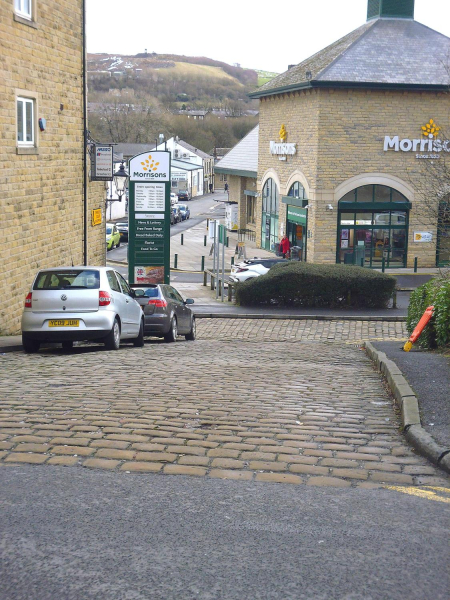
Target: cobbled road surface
266, 400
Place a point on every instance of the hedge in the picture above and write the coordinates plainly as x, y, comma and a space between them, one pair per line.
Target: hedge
435, 292
306, 284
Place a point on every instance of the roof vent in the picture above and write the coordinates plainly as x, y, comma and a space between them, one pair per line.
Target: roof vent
398, 9
290, 67
308, 75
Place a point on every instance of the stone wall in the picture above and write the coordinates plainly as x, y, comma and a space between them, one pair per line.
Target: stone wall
41, 190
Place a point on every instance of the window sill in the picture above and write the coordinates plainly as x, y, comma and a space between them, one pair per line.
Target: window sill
25, 21
25, 150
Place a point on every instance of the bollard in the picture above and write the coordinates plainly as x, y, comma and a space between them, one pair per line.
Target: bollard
227, 241
207, 225
204, 240
205, 278
182, 238
362, 262
415, 264
383, 264
175, 261
203, 264
232, 260
394, 298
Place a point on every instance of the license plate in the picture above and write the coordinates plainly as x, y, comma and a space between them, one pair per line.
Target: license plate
64, 323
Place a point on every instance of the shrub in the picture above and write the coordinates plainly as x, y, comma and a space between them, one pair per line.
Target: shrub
306, 284
435, 292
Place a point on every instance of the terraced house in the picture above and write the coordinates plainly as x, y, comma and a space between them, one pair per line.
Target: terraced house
347, 140
46, 198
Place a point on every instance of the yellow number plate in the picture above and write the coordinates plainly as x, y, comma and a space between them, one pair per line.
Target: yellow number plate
64, 323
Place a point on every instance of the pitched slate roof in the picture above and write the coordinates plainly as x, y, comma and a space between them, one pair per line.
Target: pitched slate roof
194, 150
130, 150
243, 158
382, 52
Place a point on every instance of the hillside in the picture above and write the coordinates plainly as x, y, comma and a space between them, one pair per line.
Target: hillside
135, 98
200, 81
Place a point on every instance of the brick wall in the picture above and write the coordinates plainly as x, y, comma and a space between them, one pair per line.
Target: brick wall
41, 190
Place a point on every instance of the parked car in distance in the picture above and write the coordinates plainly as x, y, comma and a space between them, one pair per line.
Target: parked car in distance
68, 304
173, 198
166, 314
253, 267
184, 211
112, 236
183, 196
177, 213
123, 230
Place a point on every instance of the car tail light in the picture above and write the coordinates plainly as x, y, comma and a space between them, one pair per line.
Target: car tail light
241, 270
104, 298
157, 302
28, 300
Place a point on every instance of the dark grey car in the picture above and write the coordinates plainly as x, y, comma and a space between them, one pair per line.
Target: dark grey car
166, 314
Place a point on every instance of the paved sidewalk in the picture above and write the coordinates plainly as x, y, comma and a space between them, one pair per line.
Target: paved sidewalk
259, 400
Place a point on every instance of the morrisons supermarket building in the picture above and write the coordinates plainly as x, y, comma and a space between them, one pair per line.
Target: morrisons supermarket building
346, 141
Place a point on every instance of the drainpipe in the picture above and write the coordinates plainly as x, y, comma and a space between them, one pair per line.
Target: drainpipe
85, 142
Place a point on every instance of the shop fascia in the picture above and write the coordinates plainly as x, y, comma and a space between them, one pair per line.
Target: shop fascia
428, 144
283, 149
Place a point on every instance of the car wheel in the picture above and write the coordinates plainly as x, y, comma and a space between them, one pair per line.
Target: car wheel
171, 335
30, 346
139, 341
118, 244
191, 335
67, 345
112, 340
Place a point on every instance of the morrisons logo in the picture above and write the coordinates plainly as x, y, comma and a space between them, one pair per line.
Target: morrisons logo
149, 175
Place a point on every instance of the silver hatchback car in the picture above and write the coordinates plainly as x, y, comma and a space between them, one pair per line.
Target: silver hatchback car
68, 304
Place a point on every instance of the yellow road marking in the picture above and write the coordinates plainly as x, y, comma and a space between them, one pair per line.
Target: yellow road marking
438, 489
428, 495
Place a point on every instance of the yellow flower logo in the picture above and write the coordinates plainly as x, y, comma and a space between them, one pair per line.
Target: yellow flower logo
149, 164
283, 133
430, 129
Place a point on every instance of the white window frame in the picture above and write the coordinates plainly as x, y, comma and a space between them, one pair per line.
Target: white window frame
20, 9
26, 101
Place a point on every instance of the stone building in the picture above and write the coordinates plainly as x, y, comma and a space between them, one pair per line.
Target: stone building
345, 138
45, 198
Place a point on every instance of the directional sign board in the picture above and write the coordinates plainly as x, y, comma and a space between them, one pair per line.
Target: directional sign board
149, 218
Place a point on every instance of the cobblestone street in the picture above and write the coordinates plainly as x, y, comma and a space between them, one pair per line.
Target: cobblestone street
265, 400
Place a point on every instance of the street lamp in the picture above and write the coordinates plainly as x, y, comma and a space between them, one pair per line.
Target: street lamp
120, 179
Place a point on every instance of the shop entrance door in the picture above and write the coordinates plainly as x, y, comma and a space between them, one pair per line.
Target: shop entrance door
297, 236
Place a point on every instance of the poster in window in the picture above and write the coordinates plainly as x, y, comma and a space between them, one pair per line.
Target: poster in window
344, 235
344, 243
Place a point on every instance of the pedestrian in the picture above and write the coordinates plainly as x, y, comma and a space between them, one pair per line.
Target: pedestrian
226, 187
210, 188
285, 247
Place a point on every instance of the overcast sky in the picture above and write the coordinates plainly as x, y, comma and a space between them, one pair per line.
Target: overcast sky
256, 34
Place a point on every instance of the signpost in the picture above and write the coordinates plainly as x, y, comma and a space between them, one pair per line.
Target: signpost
102, 163
149, 218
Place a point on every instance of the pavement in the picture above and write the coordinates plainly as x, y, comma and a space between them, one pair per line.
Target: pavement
256, 400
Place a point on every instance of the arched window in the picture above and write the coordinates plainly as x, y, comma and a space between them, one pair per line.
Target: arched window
297, 191
373, 227
270, 208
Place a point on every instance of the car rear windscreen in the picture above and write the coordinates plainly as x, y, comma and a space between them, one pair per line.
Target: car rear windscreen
151, 292
68, 279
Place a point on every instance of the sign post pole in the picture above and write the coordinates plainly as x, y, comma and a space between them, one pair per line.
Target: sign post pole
149, 218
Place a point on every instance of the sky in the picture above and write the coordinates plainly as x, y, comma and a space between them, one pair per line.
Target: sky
256, 34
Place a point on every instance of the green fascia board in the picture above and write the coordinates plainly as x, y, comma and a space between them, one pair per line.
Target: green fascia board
250, 193
357, 206
300, 202
237, 172
349, 84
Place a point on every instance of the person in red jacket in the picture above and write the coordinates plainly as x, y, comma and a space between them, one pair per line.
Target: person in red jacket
285, 246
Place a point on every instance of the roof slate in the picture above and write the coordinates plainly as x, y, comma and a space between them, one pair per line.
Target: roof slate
244, 156
382, 51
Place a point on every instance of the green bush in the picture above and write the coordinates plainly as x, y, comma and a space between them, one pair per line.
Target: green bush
435, 292
306, 284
